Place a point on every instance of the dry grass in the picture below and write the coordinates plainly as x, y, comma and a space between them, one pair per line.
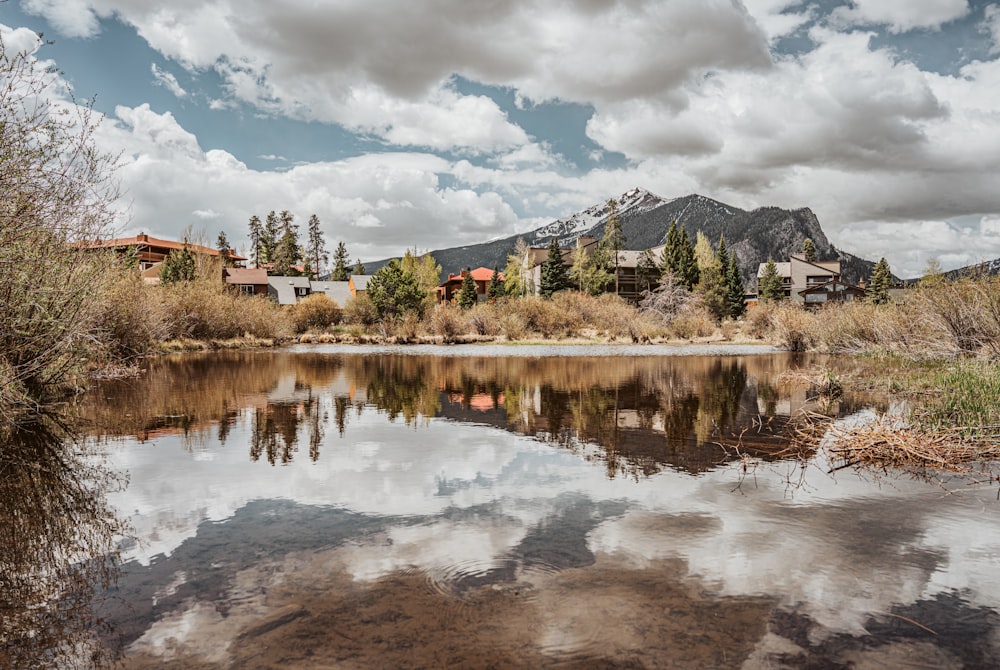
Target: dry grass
315, 312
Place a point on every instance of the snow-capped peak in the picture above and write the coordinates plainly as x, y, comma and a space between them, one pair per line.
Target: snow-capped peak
633, 201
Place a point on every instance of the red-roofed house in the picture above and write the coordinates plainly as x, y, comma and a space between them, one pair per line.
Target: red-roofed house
150, 251
450, 289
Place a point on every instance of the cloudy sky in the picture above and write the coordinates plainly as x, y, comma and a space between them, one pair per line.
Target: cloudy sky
447, 122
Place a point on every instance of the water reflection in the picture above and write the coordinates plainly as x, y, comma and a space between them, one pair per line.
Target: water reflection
644, 414
58, 541
435, 512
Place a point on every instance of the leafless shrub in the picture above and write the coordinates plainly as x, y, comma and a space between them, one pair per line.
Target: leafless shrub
316, 311
447, 321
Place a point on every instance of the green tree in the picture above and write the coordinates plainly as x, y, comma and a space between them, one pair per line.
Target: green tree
591, 272
179, 265
269, 236
316, 254
735, 289
394, 292
879, 284
359, 268
769, 285
427, 272
495, 288
225, 252
467, 297
679, 257
256, 233
712, 286
340, 270
809, 250
554, 276
515, 279
57, 194
287, 254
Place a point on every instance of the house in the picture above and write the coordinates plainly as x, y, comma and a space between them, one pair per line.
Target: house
452, 286
358, 283
151, 251
337, 291
799, 275
287, 290
627, 284
831, 291
249, 281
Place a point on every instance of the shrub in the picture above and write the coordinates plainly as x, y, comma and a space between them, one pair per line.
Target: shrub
447, 321
360, 311
315, 312
483, 320
694, 321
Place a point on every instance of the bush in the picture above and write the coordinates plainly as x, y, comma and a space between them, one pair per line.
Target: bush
447, 321
315, 312
204, 310
694, 321
360, 311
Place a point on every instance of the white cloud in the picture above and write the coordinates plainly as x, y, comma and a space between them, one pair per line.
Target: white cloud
778, 18
991, 24
901, 16
18, 40
168, 81
71, 18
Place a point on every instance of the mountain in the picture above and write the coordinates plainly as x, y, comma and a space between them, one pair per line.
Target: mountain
755, 236
988, 268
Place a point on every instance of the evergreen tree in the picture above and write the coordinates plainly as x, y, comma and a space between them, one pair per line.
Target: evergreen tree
809, 250
179, 265
340, 270
495, 288
359, 269
879, 284
256, 230
679, 257
669, 259
554, 277
287, 252
269, 237
734, 283
712, 286
722, 253
225, 253
316, 254
769, 285
394, 292
467, 297
690, 272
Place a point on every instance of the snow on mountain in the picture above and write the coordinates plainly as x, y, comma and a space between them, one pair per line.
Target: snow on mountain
631, 202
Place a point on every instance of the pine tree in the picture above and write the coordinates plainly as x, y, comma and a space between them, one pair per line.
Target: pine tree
495, 288
769, 286
287, 252
427, 272
712, 286
394, 292
879, 284
722, 253
256, 231
225, 253
467, 297
359, 269
734, 282
179, 265
269, 237
340, 270
554, 277
809, 250
316, 254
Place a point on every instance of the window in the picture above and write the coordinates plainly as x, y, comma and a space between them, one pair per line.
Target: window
301, 291
246, 289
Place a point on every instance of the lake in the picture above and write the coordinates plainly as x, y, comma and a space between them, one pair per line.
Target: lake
493, 507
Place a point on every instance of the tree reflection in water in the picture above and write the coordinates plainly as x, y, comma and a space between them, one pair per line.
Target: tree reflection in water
641, 413
58, 539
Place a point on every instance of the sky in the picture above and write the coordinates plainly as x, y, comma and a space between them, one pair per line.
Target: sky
441, 123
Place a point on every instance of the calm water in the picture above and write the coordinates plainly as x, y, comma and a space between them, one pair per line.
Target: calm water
324, 508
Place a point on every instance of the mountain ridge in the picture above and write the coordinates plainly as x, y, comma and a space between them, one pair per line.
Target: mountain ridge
753, 236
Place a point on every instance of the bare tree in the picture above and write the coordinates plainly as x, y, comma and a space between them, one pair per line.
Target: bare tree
57, 195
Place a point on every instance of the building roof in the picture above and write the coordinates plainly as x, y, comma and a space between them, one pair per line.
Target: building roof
479, 274
833, 286
143, 240
784, 269
337, 291
284, 288
359, 282
254, 276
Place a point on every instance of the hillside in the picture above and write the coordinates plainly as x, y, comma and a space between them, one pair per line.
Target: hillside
767, 232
